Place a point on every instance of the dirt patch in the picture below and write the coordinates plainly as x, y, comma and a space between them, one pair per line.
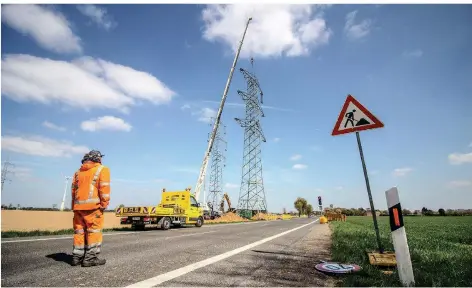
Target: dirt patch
228, 218
21, 220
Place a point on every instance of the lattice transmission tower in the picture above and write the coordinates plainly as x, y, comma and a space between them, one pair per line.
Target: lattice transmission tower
252, 198
218, 158
5, 170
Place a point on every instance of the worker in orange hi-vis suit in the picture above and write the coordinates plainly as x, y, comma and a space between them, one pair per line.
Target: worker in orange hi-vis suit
90, 197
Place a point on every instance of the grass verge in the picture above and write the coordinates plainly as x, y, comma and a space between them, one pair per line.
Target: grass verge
440, 249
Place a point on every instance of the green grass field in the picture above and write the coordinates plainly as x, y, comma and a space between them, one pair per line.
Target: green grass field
440, 249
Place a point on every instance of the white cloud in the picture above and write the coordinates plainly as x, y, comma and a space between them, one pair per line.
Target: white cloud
399, 172
185, 107
98, 15
413, 53
106, 123
355, 30
299, 167
276, 139
48, 27
296, 157
205, 114
41, 146
53, 126
460, 183
231, 186
458, 158
90, 83
275, 30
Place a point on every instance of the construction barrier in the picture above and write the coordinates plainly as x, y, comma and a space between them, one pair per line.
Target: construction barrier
335, 216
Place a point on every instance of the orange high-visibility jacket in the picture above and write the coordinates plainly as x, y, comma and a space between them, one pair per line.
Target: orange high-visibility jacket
91, 187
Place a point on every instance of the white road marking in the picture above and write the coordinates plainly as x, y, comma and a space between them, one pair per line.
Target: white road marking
60, 238
184, 270
118, 233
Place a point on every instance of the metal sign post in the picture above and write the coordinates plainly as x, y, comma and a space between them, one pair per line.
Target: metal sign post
367, 184
354, 117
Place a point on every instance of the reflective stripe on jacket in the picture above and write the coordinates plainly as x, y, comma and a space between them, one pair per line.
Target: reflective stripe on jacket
91, 187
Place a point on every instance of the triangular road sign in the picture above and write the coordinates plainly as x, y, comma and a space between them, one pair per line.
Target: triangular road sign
354, 117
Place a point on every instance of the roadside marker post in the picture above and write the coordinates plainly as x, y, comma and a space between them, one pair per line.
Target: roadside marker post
400, 242
354, 117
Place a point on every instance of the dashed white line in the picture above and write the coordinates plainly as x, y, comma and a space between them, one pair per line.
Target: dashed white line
60, 238
184, 270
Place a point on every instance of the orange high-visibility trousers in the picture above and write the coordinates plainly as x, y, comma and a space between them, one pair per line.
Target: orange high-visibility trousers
87, 233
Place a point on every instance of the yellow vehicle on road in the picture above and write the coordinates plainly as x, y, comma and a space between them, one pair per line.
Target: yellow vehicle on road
177, 208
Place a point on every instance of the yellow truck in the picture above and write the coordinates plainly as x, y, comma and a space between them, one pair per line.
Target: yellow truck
177, 208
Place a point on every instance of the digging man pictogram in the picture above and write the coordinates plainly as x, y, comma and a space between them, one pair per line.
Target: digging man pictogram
350, 118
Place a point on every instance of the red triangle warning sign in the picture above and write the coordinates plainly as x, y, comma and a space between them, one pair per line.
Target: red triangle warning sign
354, 117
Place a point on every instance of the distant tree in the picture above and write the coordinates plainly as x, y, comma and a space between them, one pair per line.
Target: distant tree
442, 212
300, 204
121, 206
424, 210
406, 212
416, 212
309, 209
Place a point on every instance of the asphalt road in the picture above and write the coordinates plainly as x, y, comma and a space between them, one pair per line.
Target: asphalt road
273, 253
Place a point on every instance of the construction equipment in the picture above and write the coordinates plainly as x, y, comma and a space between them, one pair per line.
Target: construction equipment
211, 214
202, 174
228, 201
176, 208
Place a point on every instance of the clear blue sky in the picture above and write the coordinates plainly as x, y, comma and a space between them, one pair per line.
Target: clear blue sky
137, 81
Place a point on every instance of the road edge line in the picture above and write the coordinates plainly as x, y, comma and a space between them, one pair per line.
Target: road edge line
159, 279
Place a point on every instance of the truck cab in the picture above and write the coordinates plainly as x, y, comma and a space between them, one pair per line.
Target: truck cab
176, 208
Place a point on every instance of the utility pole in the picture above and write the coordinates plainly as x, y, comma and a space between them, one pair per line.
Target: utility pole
67, 178
5, 170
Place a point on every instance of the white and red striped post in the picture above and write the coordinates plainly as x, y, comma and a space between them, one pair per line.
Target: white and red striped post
400, 242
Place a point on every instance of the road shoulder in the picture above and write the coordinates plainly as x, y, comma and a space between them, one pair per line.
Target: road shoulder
288, 261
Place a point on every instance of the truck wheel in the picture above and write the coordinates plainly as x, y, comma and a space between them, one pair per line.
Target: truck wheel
165, 223
199, 222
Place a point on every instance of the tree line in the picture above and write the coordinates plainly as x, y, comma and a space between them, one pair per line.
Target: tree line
423, 212
303, 207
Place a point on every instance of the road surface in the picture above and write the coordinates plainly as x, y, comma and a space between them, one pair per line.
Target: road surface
275, 253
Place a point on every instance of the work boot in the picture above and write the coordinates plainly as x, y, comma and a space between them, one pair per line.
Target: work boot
76, 261
94, 262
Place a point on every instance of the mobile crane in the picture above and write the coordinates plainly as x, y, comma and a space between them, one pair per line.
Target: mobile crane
180, 207
203, 169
